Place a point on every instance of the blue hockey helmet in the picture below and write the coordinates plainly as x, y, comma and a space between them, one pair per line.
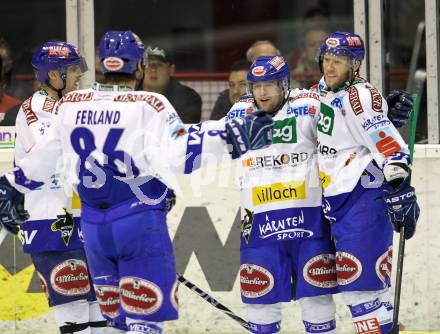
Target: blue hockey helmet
120, 52
342, 44
269, 68
56, 56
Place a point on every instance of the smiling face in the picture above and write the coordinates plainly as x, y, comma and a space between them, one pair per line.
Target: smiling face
337, 70
268, 95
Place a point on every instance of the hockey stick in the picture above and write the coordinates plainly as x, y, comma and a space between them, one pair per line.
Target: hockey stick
212, 301
399, 270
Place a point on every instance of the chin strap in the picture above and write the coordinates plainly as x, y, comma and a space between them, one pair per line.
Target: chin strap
64, 78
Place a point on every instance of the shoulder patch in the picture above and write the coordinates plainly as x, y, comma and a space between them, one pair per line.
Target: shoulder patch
376, 98
152, 100
48, 105
30, 115
306, 94
355, 101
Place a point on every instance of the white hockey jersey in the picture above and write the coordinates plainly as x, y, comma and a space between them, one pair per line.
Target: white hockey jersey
280, 187
354, 130
110, 142
47, 229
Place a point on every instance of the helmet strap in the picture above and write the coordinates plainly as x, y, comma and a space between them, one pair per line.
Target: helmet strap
59, 91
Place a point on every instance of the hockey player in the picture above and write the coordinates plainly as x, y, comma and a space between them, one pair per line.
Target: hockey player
52, 234
120, 149
283, 232
358, 148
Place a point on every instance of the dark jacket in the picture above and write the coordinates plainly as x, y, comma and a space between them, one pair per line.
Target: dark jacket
185, 100
222, 106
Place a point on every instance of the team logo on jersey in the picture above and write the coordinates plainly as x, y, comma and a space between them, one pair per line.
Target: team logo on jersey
277, 192
108, 299
140, 296
320, 271
348, 268
113, 63
384, 264
70, 278
258, 71
246, 225
255, 281
326, 119
66, 225
284, 131
385, 142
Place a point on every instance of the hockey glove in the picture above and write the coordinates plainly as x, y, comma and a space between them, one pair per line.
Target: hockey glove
252, 132
12, 212
403, 209
170, 200
400, 105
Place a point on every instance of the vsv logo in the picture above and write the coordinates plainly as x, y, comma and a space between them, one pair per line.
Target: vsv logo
26, 237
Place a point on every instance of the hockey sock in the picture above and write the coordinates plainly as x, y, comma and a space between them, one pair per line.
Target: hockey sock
136, 326
116, 326
318, 314
264, 319
73, 317
272, 328
97, 322
371, 317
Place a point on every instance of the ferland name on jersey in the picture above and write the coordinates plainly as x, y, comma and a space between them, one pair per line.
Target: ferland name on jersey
96, 117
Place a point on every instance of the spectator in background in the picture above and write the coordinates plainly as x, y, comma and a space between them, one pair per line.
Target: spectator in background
305, 68
237, 86
261, 48
9, 104
158, 79
315, 16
